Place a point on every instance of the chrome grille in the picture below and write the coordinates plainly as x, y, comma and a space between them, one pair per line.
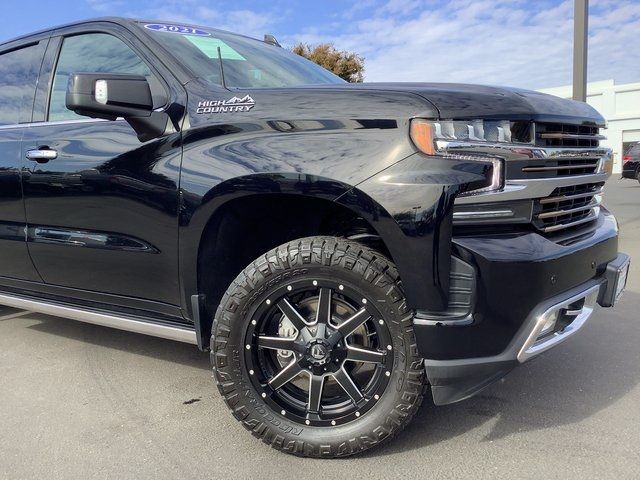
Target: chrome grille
567, 135
559, 175
567, 207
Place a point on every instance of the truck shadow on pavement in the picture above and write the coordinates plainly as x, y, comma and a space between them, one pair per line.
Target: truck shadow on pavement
583, 376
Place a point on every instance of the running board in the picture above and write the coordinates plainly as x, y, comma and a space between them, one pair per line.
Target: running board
185, 335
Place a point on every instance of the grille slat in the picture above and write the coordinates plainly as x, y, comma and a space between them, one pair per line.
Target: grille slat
571, 197
567, 207
557, 213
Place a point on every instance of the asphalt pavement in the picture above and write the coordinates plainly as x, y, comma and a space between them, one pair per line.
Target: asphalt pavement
79, 401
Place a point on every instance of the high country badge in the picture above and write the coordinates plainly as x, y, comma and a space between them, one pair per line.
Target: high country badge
234, 104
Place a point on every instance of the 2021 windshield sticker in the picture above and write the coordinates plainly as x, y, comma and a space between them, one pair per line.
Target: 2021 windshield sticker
234, 104
181, 29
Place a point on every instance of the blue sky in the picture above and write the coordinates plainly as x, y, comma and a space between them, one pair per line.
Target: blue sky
523, 43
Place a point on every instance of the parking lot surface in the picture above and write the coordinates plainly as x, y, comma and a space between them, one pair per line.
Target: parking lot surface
82, 401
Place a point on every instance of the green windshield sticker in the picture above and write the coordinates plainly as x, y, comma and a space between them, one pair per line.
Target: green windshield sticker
209, 46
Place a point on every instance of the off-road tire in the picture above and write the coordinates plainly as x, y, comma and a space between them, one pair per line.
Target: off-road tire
346, 261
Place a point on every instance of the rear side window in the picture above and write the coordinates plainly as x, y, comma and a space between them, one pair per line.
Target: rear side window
92, 53
18, 77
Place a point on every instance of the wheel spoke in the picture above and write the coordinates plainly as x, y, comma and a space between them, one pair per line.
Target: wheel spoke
347, 327
276, 343
316, 384
292, 314
346, 382
323, 315
364, 355
285, 375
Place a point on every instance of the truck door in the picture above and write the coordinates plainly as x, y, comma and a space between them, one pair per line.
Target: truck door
101, 205
19, 67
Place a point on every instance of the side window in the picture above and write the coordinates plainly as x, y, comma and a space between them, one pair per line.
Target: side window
93, 53
18, 77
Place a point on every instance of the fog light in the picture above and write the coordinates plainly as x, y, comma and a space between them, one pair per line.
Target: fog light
549, 324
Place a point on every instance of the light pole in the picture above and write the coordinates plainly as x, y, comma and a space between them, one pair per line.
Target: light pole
580, 46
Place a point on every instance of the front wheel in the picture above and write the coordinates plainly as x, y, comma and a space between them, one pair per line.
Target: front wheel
314, 351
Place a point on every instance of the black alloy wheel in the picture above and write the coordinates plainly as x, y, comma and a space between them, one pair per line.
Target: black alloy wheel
333, 362
313, 348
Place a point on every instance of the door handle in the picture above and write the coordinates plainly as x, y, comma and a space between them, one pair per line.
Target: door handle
42, 154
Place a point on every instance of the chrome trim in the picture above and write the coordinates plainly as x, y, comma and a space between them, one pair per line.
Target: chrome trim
44, 154
483, 214
562, 167
558, 213
532, 346
519, 151
528, 189
573, 136
185, 335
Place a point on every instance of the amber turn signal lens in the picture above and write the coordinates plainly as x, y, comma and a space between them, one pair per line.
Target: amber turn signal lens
421, 132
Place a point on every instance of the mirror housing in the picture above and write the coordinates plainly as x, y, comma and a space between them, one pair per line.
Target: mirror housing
110, 96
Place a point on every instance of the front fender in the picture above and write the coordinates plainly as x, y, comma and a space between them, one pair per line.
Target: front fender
410, 204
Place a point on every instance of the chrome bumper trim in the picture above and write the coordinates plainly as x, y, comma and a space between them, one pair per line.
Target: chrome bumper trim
532, 346
185, 335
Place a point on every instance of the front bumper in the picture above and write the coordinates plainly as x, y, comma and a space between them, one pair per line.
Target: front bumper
521, 282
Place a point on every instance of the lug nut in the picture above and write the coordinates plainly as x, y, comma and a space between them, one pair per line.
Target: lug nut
315, 283
389, 347
333, 422
283, 412
381, 322
248, 347
387, 373
253, 322
376, 397
357, 414
268, 302
251, 372
307, 422
364, 300
289, 287
340, 287
264, 395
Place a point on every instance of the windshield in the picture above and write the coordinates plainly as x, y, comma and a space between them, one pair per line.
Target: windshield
246, 62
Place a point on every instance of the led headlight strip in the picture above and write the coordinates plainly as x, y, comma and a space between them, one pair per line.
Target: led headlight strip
431, 137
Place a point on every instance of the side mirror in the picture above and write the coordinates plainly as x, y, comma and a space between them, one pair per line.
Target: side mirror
111, 96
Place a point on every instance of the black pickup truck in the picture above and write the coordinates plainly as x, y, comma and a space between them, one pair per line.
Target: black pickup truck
338, 248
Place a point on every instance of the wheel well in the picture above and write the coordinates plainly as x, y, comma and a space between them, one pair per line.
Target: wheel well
245, 228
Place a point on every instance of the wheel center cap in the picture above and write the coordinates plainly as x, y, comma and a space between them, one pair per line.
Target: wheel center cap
319, 351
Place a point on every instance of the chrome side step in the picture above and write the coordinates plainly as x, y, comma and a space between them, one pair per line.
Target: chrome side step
180, 334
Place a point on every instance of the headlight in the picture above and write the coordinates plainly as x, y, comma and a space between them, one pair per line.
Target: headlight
432, 137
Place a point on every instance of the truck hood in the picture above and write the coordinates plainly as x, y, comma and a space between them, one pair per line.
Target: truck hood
465, 101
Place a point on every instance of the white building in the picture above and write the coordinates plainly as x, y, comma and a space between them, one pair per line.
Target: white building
620, 105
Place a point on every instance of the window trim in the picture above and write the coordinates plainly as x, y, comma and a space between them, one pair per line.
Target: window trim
92, 30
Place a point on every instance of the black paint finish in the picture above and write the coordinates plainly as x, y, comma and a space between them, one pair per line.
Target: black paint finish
116, 221
14, 255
